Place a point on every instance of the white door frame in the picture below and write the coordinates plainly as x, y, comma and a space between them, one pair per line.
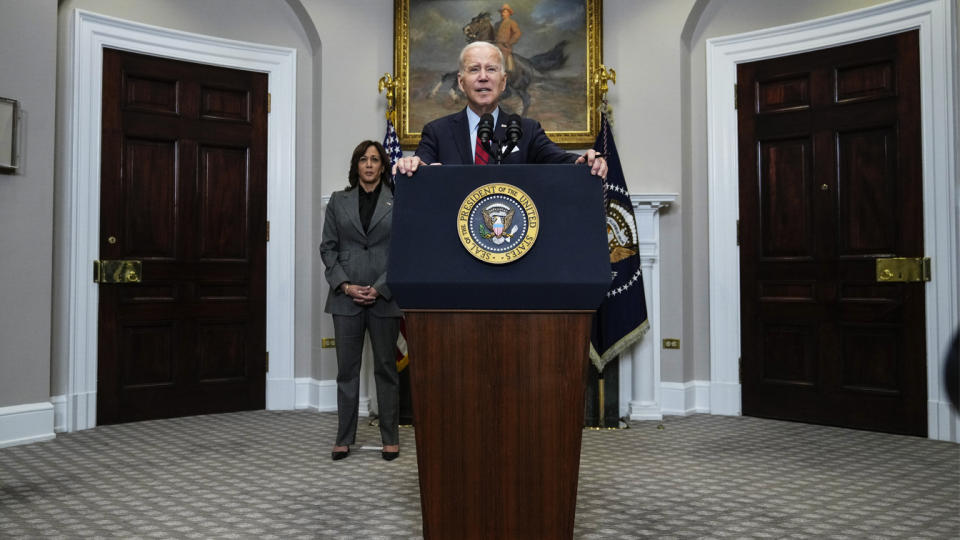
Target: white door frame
935, 20
91, 33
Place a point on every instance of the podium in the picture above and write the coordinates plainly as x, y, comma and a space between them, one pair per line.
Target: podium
499, 350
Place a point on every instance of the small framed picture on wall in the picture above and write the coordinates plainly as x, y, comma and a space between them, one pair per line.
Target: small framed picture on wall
9, 128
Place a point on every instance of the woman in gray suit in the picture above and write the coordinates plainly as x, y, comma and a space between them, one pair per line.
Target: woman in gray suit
356, 241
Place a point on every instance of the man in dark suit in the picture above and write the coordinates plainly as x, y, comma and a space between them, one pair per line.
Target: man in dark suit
453, 138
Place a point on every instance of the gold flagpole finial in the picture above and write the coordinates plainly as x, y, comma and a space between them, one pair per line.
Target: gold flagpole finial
388, 83
600, 78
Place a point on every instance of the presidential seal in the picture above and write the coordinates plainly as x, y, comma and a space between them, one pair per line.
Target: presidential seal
498, 223
621, 232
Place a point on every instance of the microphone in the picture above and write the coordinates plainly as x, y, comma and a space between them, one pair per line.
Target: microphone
514, 129
514, 133
485, 134
485, 129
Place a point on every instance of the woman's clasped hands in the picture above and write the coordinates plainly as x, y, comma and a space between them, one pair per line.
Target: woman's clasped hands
365, 295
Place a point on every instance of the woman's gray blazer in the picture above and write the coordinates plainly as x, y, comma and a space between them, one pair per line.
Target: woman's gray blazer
354, 256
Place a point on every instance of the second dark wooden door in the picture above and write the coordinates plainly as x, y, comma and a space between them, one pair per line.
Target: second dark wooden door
183, 189
830, 180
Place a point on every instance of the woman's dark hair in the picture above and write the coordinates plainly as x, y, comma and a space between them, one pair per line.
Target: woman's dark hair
361, 149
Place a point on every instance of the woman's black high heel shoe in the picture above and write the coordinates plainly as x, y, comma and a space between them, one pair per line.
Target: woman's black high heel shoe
340, 455
390, 456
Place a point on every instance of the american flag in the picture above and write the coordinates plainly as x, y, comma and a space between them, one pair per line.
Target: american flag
403, 359
392, 144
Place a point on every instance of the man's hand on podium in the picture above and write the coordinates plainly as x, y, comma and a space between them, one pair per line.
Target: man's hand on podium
408, 165
597, 163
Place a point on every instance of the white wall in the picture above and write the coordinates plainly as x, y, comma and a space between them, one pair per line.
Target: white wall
28, 38
270, 22
659, 104
356, 44
720, 18
643, 45
656, 46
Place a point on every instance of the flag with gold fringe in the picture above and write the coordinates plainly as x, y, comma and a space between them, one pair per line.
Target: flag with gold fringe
621, 319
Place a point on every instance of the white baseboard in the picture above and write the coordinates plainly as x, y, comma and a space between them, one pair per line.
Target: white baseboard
59, 413
942, 415
685, 398
678, 398
724, 398
22, 424
645, 411
27, 423
281, 394
314, 394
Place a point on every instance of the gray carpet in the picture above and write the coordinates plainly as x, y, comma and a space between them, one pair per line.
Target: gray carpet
269, 475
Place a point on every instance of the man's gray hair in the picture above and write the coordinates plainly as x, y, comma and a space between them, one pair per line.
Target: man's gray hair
477, 45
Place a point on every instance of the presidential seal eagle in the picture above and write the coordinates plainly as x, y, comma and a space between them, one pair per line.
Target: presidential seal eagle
498, 217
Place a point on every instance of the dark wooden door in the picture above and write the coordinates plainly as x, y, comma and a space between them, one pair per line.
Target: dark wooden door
830, 180
183, 189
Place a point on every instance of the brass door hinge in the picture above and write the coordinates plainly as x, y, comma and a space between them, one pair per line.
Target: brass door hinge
117, 271
903, 269
738, 232
736, 97
266, 362
268, 230
269, 97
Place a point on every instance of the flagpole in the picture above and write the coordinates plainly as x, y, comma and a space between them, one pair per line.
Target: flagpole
391, 144
602, 412
600, 78
389, 83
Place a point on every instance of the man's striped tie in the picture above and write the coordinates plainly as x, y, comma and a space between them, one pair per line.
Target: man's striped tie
481, 157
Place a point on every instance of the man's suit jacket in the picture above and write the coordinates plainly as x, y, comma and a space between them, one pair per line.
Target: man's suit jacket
447, 140
354, 256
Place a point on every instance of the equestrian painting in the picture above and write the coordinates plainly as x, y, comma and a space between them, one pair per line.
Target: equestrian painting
548, 58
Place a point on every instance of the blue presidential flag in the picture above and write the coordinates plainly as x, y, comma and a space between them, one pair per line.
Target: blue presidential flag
622, 317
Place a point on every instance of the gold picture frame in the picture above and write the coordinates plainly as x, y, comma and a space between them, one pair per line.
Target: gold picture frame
560, 90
